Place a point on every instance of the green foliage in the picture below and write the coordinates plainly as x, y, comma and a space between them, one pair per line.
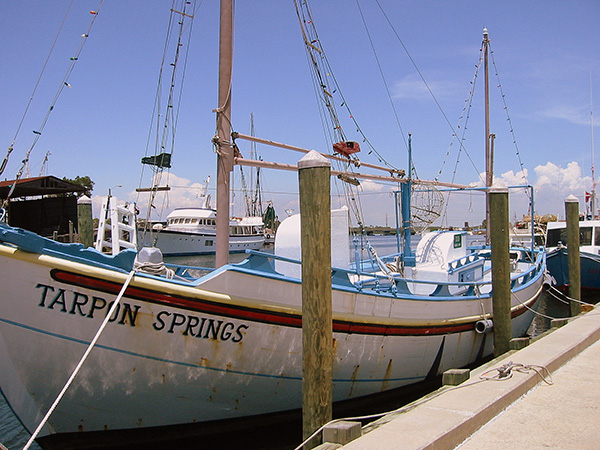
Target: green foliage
85, 182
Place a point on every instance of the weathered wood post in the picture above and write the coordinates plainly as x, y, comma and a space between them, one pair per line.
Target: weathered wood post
317, 332
572, 212
500, 269
85, 226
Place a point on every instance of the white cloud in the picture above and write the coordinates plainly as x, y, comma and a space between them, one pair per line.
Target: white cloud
412, 87
554, 183
578, 116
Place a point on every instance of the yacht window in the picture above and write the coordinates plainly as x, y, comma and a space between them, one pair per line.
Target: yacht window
194, 220
187, 220
585, 236
597, 236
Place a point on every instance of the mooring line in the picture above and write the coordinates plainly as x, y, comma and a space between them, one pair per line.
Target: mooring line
504, 373
83, 358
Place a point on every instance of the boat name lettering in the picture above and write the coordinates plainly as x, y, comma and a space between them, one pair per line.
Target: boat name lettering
76, 303
199, 327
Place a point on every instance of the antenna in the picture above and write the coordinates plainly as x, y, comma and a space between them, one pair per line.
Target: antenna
593, 196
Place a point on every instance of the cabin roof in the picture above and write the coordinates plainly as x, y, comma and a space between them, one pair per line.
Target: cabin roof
47, 185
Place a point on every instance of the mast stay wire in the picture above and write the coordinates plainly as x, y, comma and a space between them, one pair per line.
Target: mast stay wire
37, 83
454, 133
387, 89
163, 127
319, 66
508, 119
64, 83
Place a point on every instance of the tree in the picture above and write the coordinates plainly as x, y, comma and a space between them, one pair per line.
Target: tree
85, 182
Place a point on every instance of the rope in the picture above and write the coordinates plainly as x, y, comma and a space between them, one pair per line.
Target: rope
505, 372
83, 358
154, 269
505, 369
566, 299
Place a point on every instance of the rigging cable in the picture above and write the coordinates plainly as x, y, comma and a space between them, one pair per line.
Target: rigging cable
331, 124
325, 88
512, 132
63, 84
11, 146
163, 126
387, 89
454, 133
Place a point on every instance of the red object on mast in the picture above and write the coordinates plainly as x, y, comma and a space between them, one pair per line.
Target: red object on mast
346, 148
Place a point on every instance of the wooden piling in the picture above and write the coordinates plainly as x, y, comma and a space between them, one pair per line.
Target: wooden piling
572, 213
85, 226
317, 331
500, 269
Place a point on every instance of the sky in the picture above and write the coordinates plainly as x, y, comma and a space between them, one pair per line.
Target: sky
545, 72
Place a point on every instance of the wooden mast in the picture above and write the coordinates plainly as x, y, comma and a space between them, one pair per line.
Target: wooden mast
489, 169
224, 148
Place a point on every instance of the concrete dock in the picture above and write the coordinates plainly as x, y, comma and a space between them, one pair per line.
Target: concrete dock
521, 409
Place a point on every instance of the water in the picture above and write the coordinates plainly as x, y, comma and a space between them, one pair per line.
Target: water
13, 435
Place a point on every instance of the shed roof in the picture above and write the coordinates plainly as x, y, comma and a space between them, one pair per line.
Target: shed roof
29, 187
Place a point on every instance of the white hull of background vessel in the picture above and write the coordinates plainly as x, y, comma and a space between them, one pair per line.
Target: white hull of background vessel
175, 243
177, 353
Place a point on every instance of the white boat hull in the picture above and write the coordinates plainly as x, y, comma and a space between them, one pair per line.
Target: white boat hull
175, 243
176, 353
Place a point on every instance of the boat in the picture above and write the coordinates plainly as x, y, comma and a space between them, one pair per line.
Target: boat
522, 235
192, 231
184, 347
589, 254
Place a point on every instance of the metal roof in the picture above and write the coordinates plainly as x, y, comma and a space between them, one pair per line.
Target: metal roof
29, 187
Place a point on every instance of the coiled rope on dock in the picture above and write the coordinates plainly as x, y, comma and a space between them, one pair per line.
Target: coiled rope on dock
504, 372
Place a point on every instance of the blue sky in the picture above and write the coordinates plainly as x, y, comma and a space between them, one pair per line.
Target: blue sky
546, 53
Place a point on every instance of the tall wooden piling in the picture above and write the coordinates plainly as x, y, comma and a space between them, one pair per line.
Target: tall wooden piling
572, 212
500, 269
317, 331
85, 226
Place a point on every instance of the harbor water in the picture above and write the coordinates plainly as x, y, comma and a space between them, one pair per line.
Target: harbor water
13, 436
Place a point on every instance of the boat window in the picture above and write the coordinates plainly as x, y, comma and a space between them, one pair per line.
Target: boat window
585, 236
457, 240
187, 220
597, 236
555, 236
194, 220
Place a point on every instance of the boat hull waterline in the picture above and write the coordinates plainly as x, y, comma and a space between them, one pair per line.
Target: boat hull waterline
183, 348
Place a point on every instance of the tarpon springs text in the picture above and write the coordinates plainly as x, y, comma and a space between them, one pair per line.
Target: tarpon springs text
79, 304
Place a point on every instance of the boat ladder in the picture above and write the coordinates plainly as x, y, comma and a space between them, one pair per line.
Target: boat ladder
116, 228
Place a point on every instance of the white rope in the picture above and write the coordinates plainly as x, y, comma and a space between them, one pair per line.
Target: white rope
83, 358
154, 269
